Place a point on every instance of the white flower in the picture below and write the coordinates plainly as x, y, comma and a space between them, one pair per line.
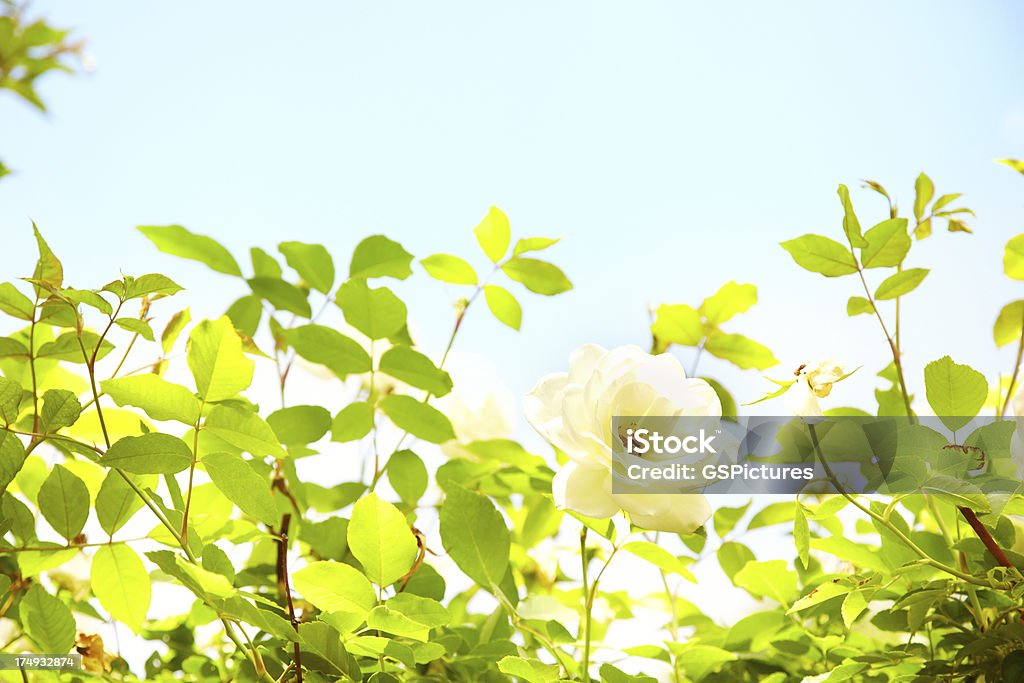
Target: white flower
574, 412
813, 381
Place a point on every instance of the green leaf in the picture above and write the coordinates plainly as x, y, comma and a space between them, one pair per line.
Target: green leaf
503, 306
474, 534
660, 558
900, 284
733, 557
858, 305
726, 518
381, 540
537, 276
377, 256
177, 241
240, 484
955, 392
245, 314
945, 200
530, 671
415, 369
924, 190
87, 297
175, 326
448, 268
116, 501
771, 579
352, 422
63, 501
322, 651
149, 285
700, 660
312, 262
408, 476
419, 419
408, 615
1009, 323
823, 593
851, 226
217, 362
47, 621
60, 409
68, 347
853, 605
819, 254
740, 351
160, 399
48, 269
334, 587
802, 537
12, 459
322, 345
245, 430
533, 244
493, 234
263, 264
730, 300
135, 326
300, 424
283, 296
377, 313
14, 303
887, 244
12, 348
11, 395
677, 324
151, 453
1013, 258
956, 225
121, 584
923, 229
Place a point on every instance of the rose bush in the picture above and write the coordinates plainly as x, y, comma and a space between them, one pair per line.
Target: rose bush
165, 520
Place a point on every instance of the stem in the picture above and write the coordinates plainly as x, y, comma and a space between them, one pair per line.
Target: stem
191, 474
69, 546
587, 607
892, 344
285, 588
696, 358
32, 367
518, 622
1016, 372
990, 543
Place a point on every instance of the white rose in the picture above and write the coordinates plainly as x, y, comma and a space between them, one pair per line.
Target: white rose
574, 412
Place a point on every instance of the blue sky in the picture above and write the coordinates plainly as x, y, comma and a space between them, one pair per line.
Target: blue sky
673, 145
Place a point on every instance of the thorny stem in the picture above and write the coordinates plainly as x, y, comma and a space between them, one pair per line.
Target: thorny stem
284, 588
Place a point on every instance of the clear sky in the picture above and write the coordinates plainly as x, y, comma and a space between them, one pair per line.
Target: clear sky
673, 144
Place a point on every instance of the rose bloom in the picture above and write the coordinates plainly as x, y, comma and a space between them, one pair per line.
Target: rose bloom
573, 411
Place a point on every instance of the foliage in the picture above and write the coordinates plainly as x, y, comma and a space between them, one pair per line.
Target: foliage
164, 473
30, 49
